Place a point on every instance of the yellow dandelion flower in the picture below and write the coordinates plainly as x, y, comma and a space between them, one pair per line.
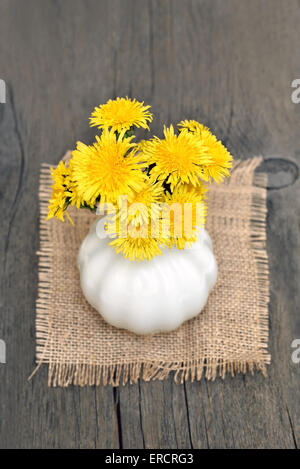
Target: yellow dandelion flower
74, 197
191, 126
138, 244
145, 202
137, 248
142, 145
60, 197
177, 159
187, 210
143, 210
107, 169
220, 156
121, 114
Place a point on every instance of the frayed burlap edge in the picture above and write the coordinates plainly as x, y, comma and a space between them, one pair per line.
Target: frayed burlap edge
65, 374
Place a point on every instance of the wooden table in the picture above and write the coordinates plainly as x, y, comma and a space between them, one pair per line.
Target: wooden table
229, 64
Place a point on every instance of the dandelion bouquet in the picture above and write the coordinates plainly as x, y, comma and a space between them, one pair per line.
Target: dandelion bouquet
153, 191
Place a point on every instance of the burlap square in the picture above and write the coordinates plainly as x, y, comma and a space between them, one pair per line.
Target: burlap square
229, 335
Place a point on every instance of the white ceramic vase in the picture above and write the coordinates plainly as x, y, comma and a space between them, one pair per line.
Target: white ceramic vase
148, 296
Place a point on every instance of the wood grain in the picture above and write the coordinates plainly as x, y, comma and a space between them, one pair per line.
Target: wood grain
229, 64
